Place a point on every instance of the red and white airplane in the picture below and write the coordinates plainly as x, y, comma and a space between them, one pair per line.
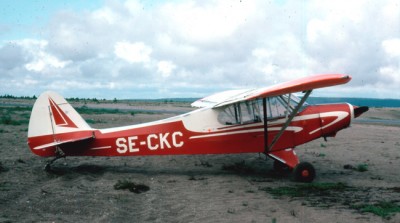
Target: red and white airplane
269, 120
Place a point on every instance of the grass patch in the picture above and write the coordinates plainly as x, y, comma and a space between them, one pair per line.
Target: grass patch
328, 194
362, 167
98, 111
5, 186
90, 111
12, 109
384, 209
93, 121
132, 187
197, 178
7, 120
204, 163
321, 155
303, 190
14, 115
2, 168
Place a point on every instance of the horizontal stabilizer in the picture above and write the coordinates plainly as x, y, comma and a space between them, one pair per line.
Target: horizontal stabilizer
64, 141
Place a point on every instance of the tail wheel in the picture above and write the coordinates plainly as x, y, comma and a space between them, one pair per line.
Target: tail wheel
304, 172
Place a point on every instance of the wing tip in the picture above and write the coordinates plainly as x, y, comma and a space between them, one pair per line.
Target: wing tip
345, 76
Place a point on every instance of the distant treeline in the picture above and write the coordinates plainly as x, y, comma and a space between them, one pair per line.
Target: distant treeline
163, 100
115, 100
9, 96
86, 99
16, 97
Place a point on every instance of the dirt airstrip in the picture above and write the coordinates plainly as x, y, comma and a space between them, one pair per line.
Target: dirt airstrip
356, 172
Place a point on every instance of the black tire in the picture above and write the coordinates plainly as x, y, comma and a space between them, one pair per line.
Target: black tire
304, 172
280, 167
47, 168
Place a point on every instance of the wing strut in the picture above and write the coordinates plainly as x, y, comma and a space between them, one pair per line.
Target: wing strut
265, 125
290, 118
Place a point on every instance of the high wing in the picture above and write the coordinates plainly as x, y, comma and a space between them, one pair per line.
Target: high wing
298, 85
212, 100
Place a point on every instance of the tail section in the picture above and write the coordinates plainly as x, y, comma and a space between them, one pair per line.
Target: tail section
54, 122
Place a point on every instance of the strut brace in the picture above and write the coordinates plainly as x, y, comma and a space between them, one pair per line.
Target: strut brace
289, 119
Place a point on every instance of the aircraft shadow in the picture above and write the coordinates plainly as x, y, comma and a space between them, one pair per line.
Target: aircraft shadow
240, 169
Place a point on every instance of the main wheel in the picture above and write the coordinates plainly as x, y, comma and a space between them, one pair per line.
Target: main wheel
304, 172
47, 168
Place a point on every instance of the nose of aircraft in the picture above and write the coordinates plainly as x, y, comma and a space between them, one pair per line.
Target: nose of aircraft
359, 110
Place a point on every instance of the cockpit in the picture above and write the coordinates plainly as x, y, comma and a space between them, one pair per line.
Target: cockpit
246, 112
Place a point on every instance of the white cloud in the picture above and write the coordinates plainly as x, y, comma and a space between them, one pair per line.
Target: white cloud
392, 73
166, 68
78, 85
133, 52
392, 47
172, 48
34, 55
106, 15
208, 21
263, 61
391, 11
316, 28
12, 56
133, 6
41, 59
30, 82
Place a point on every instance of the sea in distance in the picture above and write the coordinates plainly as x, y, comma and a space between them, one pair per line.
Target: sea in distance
370, 102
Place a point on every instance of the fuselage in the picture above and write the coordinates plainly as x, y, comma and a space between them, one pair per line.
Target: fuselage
202, 132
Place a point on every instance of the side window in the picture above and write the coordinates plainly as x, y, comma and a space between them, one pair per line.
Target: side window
229, 115
250, 112
276, 108
240, 113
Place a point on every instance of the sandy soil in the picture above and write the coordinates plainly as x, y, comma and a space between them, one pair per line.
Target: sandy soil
198, 188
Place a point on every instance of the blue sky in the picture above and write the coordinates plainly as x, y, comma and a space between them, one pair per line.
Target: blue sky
157, 49
25, 18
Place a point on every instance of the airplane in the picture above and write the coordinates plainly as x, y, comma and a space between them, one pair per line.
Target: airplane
270, 120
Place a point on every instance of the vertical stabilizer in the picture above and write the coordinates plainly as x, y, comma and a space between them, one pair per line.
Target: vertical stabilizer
53, 122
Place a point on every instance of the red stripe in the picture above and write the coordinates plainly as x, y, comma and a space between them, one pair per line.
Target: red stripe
60, 118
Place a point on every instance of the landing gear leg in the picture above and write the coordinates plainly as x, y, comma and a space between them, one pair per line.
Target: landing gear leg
59, 154
281, 167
